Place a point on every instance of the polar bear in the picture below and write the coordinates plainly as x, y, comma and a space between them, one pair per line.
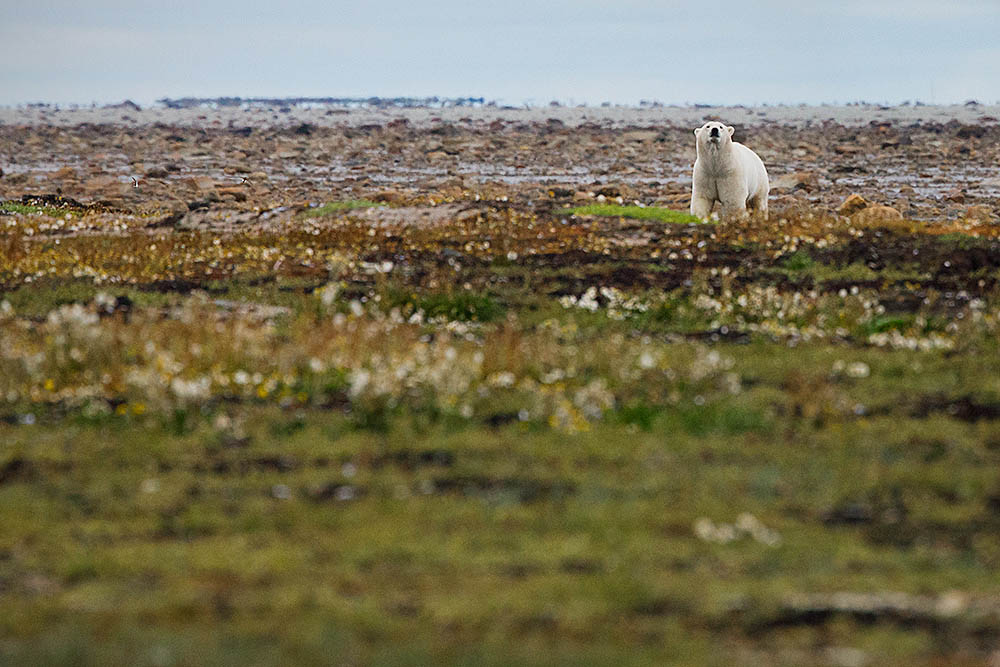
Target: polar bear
727, 172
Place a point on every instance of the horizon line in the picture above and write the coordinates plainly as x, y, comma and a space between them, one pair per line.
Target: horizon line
436, 101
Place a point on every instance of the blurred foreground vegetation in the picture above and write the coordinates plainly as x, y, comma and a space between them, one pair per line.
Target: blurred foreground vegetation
508, 438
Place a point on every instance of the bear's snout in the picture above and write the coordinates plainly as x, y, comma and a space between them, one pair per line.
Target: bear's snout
714, 132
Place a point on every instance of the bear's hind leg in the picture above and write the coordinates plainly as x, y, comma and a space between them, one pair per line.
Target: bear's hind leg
758, 205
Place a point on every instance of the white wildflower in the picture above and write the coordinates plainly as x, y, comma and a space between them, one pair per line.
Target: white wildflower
328, 294
502, 379
858, 369
358, 381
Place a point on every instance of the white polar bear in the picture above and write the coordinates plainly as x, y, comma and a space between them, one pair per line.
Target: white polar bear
727, 172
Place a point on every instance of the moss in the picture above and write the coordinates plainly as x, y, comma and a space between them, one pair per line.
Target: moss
340, 206
656, 213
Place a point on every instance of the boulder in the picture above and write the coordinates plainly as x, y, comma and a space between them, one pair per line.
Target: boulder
640, 136
862, 211
956, 195
391, 197
980, 213
876, 213
852, 205
799, 180
846, 149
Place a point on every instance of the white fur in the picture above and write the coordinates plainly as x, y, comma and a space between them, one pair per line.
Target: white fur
727, 172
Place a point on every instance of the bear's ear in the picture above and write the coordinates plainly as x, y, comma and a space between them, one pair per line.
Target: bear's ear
697, 131
730, 129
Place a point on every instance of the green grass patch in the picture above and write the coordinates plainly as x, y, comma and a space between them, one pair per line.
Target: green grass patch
798, 261
886, 323
725, 418
461, 306
657, 213
962, 241
340, 206
325, 525
640, 414
12, 208
39, 298
800, 266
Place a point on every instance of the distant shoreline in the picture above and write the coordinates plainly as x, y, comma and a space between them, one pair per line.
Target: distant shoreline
424, 112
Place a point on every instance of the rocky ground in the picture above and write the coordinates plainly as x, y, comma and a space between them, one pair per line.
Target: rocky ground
928, 162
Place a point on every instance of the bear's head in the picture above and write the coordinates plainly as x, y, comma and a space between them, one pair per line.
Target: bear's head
713, 135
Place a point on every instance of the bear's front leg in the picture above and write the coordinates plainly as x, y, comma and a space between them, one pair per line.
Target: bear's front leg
734, 211
701, 207
733, 197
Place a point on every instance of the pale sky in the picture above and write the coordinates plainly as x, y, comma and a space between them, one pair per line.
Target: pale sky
516, 51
